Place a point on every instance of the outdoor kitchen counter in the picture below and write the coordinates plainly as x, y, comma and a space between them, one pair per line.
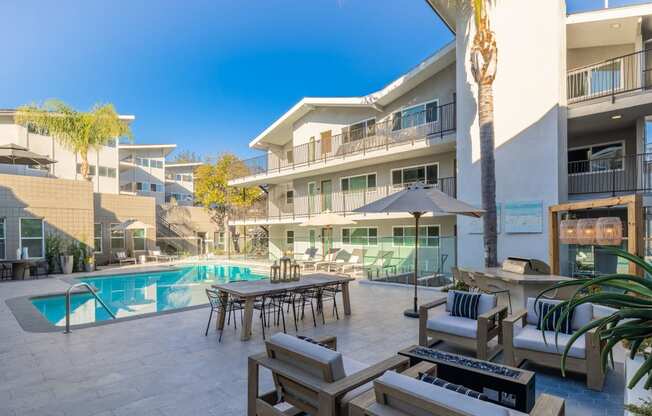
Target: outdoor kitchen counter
522, 286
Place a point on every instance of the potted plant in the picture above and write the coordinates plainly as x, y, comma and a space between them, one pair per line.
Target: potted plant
67, 260
89, 263
630, 298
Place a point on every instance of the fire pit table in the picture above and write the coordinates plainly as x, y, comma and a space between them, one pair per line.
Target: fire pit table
507, 386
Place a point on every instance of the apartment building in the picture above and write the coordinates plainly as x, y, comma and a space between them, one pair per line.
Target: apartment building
180, 182
142, 169
571, 105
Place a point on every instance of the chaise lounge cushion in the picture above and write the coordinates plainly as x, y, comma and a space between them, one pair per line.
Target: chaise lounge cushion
531, 338
315, 352
582, 315
487, 302
454, 325
441, 396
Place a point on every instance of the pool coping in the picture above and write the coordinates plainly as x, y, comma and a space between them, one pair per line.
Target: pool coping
31, 320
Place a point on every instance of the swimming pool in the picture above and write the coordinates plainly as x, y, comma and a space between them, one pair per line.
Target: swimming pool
141, 293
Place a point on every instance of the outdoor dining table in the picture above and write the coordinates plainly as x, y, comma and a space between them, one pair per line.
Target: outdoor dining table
250, 290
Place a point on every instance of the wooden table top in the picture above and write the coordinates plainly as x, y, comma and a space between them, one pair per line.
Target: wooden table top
21, 261
511, 277
264, 287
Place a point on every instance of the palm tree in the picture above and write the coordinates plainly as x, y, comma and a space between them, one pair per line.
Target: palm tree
77, 131
484, 59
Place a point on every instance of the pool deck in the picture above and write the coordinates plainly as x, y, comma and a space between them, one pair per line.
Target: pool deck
164, 365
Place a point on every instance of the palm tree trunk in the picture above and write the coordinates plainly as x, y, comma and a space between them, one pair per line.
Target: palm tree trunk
84, 165
488, 172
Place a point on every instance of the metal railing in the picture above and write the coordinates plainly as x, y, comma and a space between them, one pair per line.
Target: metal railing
394, 130
90, 289
611, 77
630, 173
277, 207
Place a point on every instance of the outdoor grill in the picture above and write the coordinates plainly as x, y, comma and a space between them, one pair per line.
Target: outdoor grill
525, 266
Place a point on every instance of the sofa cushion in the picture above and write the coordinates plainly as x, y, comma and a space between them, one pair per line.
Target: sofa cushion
426, 378
439, 395
549, 321
455, 325
487, 302
582, 315
313, 351
530, 338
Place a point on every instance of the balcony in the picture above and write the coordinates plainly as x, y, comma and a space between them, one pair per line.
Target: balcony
610, 78
374, 139
614, 175
276, 209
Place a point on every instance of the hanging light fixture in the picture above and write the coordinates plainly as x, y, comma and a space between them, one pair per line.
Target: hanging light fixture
586, 231
568, 232
609, 231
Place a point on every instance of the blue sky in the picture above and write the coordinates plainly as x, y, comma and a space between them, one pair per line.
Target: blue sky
210, 74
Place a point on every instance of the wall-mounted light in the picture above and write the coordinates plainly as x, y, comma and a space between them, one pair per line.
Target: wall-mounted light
615, 25
616, 116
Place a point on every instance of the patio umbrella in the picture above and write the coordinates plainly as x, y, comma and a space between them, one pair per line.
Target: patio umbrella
18, 155
419, 199
326, 219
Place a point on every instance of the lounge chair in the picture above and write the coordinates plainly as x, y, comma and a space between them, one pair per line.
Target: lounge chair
122, 258
329, 259
404, 394
353, 263
307, 259
475, 334
382, 263
158, 256
309, 377
526, 342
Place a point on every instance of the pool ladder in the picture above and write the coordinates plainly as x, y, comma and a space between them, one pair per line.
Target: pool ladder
90, 289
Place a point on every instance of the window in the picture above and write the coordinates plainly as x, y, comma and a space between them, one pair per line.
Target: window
360, 236
289, 237
140, 161
289, 197
98, 238
596, 158
111, 143
427, 174
91, 169
156, 164
31, 236
428, 236
358, 183
3, 253
417, 115
117, 237
156, 187
142, 186
312, 237
102, 171
138, 238
362, 129
111, 172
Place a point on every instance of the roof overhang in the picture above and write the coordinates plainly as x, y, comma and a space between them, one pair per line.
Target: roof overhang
279, 132
445, 9
166, 148
618, 26
183, 165
12, 112
609, 14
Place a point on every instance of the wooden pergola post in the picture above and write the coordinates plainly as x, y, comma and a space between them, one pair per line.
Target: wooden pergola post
634, 205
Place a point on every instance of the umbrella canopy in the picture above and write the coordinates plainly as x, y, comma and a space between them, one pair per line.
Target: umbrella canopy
18, 155
134, 225
420, 198
327, 219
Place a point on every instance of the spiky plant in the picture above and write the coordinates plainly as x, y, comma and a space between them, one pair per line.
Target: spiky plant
630, 322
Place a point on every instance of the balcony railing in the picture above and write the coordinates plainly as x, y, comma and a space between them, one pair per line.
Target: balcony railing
276, 206
611, 77
613, 175
395, 130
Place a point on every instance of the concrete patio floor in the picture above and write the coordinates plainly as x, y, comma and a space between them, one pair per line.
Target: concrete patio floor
164, 365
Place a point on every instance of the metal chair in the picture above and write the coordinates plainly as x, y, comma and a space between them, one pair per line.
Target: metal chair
6, 272
40, 268
329, 293
216, 304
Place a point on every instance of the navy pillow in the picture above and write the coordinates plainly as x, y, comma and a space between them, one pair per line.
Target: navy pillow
454, 387
542, 308
465, 305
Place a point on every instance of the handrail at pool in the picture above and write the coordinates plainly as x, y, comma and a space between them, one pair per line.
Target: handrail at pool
90, 289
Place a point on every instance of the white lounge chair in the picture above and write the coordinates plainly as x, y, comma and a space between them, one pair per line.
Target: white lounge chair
351, 265
122, 258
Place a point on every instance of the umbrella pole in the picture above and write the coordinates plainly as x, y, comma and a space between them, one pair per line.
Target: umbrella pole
414, 313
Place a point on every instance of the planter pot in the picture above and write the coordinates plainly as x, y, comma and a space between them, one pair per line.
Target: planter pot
638, 393
89, 267
66, 264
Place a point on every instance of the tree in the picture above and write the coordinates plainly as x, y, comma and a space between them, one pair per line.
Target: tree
186, 156
484, 59
213, 192
77, 131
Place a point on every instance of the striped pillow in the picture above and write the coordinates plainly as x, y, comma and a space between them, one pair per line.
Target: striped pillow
550, 324
454, 387
465, 305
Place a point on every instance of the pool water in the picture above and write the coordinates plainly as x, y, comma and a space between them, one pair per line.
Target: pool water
137, 294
